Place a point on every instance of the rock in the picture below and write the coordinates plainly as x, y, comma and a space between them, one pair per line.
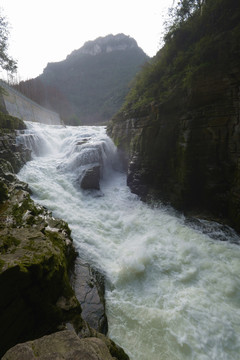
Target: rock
10, 152
3, 190
63, 345
183, 148
91, 178
116, 351
36, 254
89, 289
11, 122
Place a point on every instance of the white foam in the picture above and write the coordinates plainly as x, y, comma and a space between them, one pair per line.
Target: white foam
172, 292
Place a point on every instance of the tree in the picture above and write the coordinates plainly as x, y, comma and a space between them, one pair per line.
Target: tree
6, 62
185, 8
179, 13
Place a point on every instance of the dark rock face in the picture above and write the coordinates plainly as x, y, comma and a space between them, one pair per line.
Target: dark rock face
89, 289
91, 178
179, 130
10, 151
186, 151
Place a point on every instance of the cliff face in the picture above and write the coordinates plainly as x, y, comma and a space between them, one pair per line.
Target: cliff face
185, 149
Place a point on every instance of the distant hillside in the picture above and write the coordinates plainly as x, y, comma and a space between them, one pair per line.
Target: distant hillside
90, 85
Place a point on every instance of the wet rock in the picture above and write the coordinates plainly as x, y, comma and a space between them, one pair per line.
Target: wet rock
63, 345
89, 289
91, 178
36, 254
10, 152
67, 345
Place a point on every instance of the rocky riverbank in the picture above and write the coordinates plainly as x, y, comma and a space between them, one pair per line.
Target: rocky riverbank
37, 257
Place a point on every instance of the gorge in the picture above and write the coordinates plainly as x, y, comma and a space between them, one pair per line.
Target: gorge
150, 202
171, 284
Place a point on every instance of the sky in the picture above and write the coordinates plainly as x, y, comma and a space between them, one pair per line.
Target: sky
43, 31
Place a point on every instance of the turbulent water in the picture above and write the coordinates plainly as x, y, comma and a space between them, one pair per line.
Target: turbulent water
172, 287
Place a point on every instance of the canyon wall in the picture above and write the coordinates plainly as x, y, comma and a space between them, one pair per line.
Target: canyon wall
184, 149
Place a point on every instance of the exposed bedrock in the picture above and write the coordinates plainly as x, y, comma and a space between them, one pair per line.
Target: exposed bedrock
89, 287
179, 129
186, 151
66, 345
90, 178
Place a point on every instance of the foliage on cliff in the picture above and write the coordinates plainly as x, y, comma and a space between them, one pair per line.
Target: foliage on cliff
90, 85
191, 50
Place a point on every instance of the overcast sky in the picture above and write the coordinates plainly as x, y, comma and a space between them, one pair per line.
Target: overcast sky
43, 31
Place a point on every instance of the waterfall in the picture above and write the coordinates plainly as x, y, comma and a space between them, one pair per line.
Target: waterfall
172, 284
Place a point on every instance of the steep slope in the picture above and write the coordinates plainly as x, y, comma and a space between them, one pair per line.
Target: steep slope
179, 130
90, 85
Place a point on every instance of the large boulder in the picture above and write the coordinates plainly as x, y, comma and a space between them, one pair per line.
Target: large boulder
67, 345
91, 178
63, 345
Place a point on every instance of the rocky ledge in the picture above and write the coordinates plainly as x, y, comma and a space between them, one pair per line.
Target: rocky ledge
66, 345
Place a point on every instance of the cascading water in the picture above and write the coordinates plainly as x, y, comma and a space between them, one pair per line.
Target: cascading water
172, 290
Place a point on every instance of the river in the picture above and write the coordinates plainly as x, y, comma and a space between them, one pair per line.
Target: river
172, 285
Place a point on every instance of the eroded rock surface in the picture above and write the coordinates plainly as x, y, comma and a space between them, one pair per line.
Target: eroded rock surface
63, 345
91, 178
89, 289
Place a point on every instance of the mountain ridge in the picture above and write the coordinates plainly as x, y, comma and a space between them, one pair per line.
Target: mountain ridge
90, 85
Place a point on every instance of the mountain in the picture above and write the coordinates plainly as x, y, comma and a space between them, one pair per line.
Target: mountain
179, 130
90, 85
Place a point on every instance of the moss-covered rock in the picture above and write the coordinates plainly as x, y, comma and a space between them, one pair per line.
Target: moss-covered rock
61, 345
11, 122
36, 254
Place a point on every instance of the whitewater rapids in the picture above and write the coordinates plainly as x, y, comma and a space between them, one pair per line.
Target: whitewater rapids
172, 289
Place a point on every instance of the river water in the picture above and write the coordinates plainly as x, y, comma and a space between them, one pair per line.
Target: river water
172, 286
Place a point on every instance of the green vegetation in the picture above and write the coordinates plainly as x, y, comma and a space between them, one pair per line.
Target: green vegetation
8, 244
10, 122
6, 62
191, 50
